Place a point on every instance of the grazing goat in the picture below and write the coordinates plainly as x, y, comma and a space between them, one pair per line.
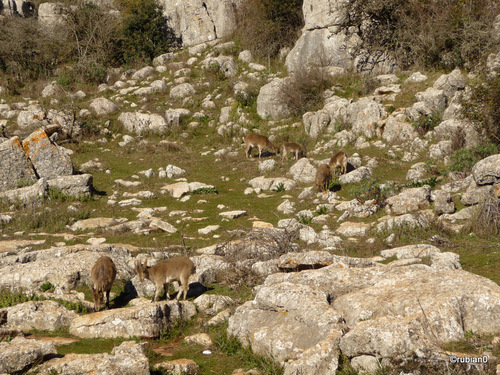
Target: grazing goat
323, 176
256, 140
339, 160
174, 269
297, 149
103, 275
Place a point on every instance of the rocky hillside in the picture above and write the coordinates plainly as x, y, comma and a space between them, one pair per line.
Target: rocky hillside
393, 268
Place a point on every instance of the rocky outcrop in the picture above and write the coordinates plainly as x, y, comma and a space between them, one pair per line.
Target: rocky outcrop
270, 102
63, 267
324, 44
15, 166
200, 21
422, 307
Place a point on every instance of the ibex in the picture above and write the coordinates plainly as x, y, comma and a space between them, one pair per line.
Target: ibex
103, 275
256, 140
298, 150
174, 269
323, 176
339, 159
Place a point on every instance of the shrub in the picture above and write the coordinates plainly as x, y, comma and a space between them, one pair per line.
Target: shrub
483, 108
28, 51
303, 92
427, 123
145, 31
266, 26
464, 159
487, 219
436, 34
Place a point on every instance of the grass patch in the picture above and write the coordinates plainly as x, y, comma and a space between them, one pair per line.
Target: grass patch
90, 346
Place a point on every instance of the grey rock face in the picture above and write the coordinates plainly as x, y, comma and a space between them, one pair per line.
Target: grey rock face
15, 165
47, 158
182, 90
197, 21
357, 175
443, 203
127, 359
20, 353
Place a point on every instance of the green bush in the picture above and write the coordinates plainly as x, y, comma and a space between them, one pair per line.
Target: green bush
427, 123
435, 34
266, 26
145, 31
464, 159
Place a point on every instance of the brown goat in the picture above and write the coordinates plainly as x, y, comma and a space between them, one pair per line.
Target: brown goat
323, 176
174, 269
297, 149
103, 275
256, 140
339, 160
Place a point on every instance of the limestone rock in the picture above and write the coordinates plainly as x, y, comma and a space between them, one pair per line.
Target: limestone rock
180, 367
270, 105
443, 203
145, 319
196, 21
63, 267
355, 176
284, 319
272, 183
40, 315
15, 166
27, 195
127, 359
75, 185
182, 90
103, 106
48, 159
225, 64
303, 171
136, 122
409, 200
20, 353
487, 171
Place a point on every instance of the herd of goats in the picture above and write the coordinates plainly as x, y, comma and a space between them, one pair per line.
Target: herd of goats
179, 269
324, 172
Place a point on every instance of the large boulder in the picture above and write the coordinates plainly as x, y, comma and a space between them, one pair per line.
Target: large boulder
225, 64
270, 102
49, 160
40, 315
15, 166
409, 200
20, 354
487, 171
77, 185
145, 319
103, 106
138, 123
127, 359
303, 171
